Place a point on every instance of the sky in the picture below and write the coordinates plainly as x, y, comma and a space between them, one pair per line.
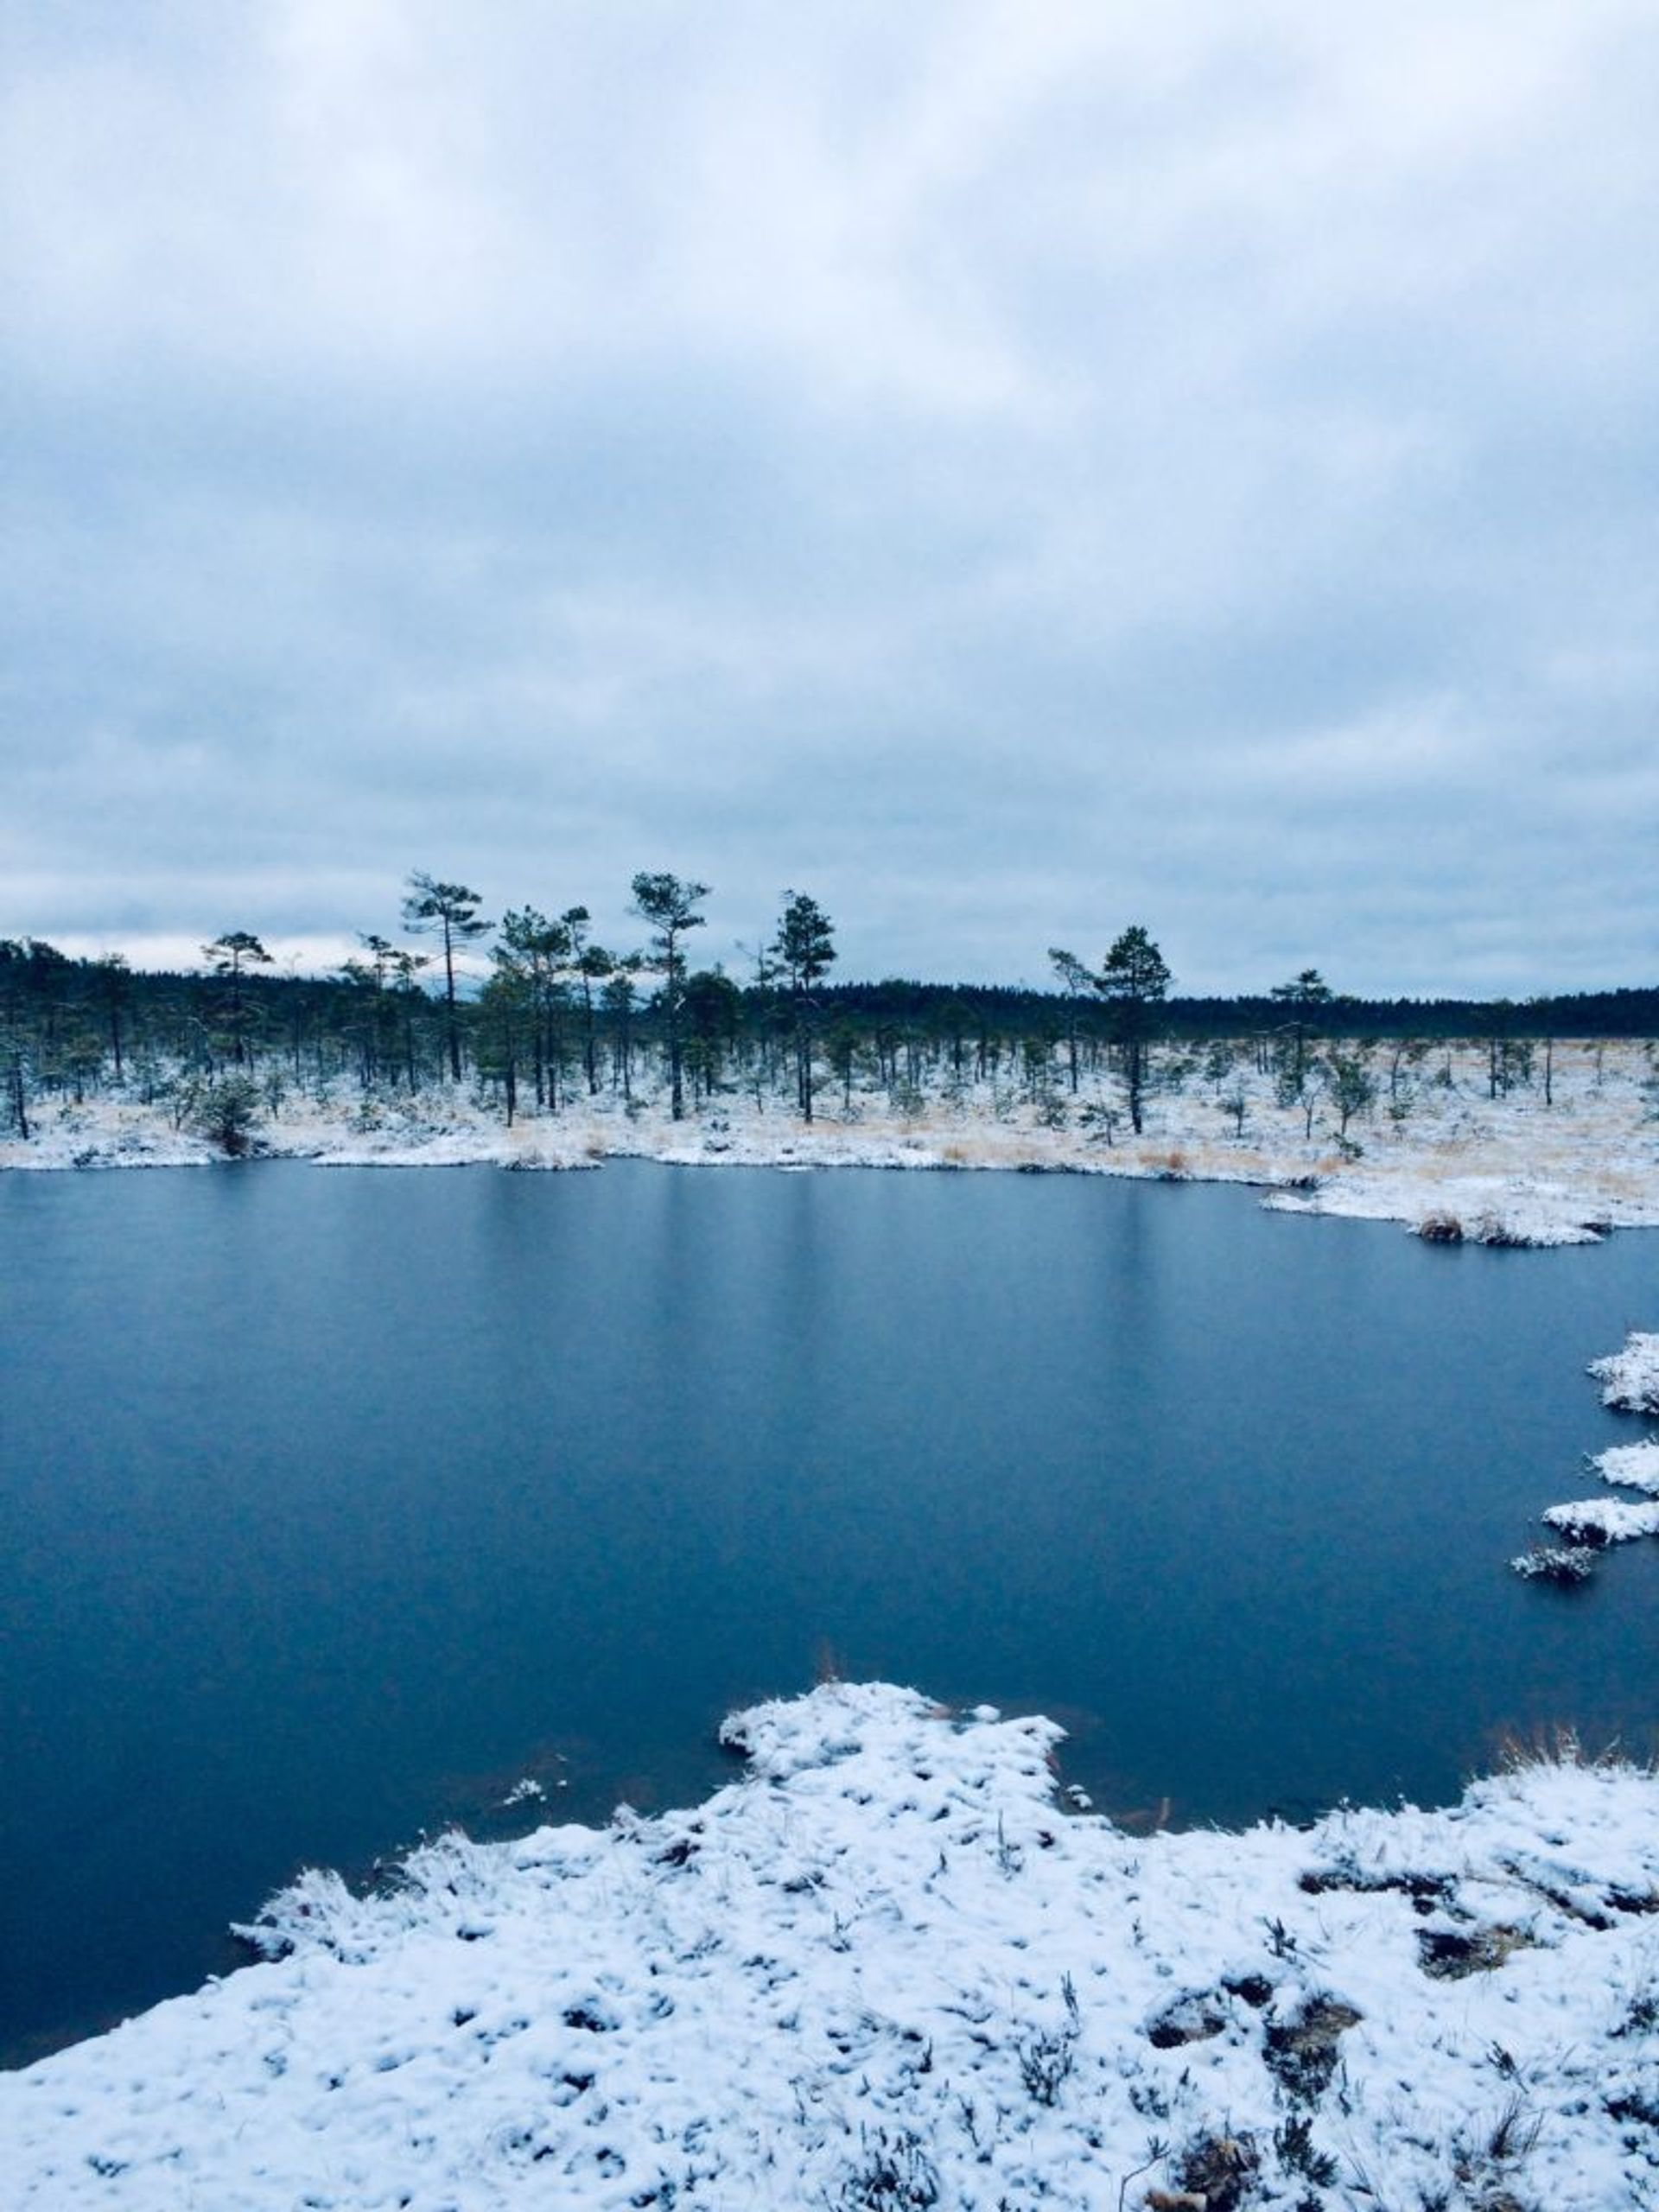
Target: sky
1008, 471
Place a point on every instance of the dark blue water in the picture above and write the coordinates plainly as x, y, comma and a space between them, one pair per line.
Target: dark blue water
333, 1500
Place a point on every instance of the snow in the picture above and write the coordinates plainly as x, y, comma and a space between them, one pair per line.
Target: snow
1629, 1378
1636, 1465
1567, 1563
888, 1967
1604, 1520
1446, 1160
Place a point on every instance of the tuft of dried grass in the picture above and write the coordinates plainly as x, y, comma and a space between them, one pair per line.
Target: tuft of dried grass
1553, 1743
1440, 1226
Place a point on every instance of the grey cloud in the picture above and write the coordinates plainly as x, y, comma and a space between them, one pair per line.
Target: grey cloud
1008, 470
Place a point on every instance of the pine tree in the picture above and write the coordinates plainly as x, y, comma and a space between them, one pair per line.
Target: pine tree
230, 957
805, 948
1134, 978
537, 950
670, 906
1074, 980
591, 964
450, 910
1303, 997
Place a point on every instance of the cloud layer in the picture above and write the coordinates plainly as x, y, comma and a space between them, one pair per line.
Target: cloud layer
1008, 470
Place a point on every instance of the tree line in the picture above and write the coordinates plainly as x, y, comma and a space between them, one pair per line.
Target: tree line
533, 1011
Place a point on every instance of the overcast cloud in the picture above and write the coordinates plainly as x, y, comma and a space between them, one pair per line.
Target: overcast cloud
1009, 471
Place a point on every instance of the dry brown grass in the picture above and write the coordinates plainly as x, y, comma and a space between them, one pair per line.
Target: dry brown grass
1440, 1226
1553, 1744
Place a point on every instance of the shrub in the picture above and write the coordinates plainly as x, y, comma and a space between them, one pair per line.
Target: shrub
1565, 1564
893, 2175
227, 1113
1293, 2145
1220, 2171
1301, 2052
1440, 1228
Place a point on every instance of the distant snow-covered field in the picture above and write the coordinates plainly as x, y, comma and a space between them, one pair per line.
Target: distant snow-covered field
1432, 1149
893, 1967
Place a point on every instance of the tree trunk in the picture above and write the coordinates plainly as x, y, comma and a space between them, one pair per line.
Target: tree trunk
588, 1049
450, 1000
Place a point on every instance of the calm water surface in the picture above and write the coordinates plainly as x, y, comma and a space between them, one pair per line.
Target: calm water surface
333, 1500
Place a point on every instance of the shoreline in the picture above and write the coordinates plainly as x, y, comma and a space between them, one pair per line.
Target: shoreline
1450, 1164
892, 1956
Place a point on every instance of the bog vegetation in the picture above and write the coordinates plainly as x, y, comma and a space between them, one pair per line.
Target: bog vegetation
532, 1012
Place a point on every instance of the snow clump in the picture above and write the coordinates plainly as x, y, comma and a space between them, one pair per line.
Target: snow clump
1629, 1379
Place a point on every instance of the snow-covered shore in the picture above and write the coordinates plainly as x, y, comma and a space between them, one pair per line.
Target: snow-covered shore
1630, 1383
1442, 1157
891, 1967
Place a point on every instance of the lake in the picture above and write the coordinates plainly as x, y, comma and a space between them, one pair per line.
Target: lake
333, 1502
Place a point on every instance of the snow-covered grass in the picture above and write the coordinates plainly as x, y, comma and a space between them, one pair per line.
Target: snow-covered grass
1603, 1520
1629, 1378
1442, 1156
1636, 1465
1563, 1563
890, 1968
1629, 1381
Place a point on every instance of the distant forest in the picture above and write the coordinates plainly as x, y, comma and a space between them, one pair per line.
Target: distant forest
546, 1015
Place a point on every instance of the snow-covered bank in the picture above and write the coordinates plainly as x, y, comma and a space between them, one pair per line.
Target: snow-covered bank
887, 1970
1636, 1465
1603, 1520
1442, 1156
1629, 1381
1629, 1378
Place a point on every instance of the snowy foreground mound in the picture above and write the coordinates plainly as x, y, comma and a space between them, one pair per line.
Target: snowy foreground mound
887, 1970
